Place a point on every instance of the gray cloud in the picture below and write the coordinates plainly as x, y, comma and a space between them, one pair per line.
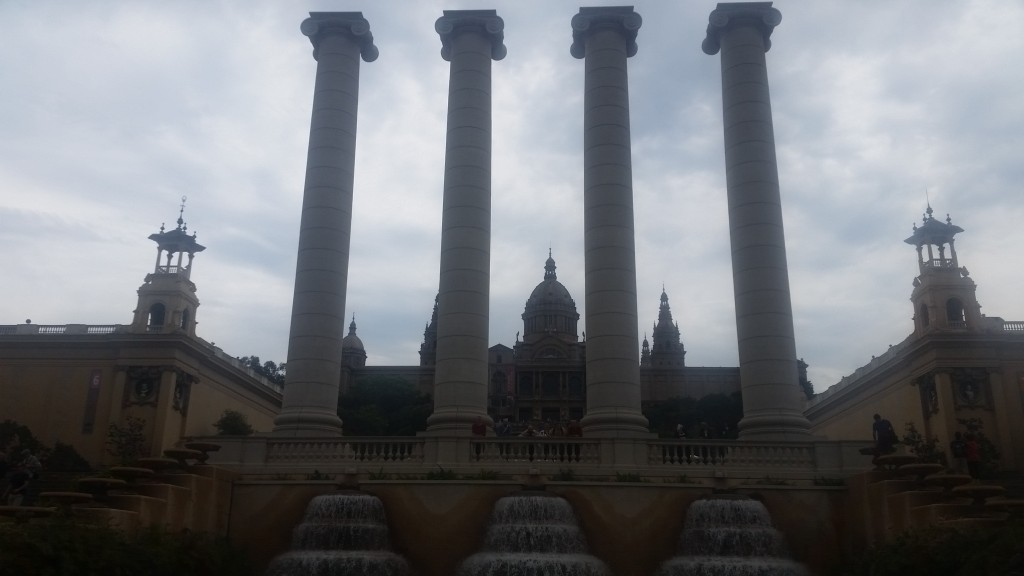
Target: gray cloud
113, 111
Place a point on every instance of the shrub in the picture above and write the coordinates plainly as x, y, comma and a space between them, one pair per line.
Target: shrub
927, 449
62, 546
945, 552
441, 474
233, 423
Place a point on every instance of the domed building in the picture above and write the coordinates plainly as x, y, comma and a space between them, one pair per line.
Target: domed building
548, 377
542, 377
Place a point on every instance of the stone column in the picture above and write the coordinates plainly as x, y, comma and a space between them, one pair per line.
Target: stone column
470, 39
772, 403
605, 38
310, 404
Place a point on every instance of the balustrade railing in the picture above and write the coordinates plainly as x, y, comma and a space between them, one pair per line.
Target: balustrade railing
554, 450
729, 453
377, 450
1013, 326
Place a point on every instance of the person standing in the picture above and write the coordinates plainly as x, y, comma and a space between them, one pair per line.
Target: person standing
972, 453
884, 436
958, 448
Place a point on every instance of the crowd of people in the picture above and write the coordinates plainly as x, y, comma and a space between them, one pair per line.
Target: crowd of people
533, 429
965, 448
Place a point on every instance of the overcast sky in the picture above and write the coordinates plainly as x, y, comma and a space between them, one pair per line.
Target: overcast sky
110, 112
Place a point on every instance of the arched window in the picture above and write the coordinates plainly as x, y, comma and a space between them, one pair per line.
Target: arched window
185, 317
923, 315
156, 316
955, 313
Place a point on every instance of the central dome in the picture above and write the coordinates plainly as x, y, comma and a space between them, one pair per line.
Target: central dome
550, 308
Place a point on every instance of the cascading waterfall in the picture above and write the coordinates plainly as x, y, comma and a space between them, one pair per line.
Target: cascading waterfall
341, 534
730, 536
533, 533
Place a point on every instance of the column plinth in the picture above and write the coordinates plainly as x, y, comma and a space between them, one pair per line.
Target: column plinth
470, 39
310, 403
772, 401
604, 38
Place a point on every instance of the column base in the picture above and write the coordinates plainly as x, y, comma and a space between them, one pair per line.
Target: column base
615, 423
455, 422
307, 422
775, 427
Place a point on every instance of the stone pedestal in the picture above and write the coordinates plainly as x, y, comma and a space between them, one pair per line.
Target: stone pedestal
470, 40
309, 406
605, 38
772, 403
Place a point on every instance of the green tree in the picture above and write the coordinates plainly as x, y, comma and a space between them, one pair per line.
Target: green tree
270, 370
14, 436
719, 412
233, 423
384, 406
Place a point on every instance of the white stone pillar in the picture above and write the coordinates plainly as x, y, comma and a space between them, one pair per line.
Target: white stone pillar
605, 38
772, 403
310, 404
470, 39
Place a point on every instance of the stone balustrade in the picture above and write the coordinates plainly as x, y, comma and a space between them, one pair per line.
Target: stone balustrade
642, 456
340, 451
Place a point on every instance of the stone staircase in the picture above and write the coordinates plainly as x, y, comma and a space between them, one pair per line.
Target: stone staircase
904, 494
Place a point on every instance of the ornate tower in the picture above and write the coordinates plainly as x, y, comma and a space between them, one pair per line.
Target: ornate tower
944, 295
167, 300
428, 349
667, 350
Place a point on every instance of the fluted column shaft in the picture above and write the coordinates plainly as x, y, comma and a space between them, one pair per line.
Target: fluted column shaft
605, 38
772, 405
310, 403
470, 40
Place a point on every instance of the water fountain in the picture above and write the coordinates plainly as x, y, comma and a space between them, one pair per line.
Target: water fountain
533, 533
344, 533
730, 535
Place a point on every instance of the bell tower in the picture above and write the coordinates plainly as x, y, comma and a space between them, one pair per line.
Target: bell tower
944, 295
167, 300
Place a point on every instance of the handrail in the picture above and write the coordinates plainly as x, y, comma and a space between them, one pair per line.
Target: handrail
380, 450
688, 453
517, 449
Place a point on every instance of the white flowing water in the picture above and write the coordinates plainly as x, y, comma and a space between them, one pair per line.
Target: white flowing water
730, 537
342, 534
533, 534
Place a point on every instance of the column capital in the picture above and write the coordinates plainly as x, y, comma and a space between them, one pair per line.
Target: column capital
320, 25
486, 22
758, 14
589, 20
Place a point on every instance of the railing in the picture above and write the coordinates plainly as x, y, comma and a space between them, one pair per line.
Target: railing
958, 324
939, 263
728, 453
172, 270
57, 329
378, 450
554, 450
1013, 326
